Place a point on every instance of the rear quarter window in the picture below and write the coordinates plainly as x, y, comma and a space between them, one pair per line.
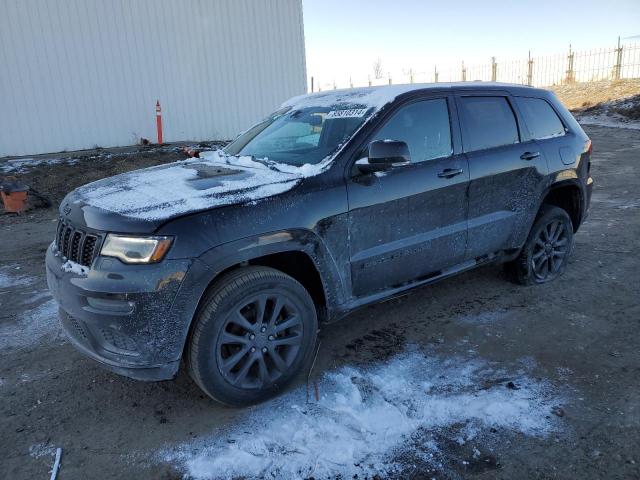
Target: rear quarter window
487, 122
542, 121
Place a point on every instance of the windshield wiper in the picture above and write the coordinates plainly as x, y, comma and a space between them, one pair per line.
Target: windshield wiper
267, 163
270, 164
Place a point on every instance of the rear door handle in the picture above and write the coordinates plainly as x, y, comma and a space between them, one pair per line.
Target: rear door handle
529, 155
450, 172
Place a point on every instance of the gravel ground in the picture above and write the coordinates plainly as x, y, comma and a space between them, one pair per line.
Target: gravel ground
578, 335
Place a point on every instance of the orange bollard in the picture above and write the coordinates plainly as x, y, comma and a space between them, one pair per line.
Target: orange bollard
159, 122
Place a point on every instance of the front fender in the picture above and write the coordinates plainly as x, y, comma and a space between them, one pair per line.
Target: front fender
227, 255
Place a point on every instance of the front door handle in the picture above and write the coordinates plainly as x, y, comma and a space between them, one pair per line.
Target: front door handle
450, 172
529, 155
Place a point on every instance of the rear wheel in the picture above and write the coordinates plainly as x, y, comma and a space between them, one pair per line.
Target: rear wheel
546, 251
255, 331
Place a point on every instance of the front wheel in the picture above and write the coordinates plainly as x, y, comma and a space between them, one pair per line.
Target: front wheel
546, 251
255, 331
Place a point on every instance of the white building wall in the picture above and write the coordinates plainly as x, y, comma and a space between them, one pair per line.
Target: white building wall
77, 74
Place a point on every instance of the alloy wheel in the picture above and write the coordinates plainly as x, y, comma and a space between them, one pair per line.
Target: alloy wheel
550, 250
260, 341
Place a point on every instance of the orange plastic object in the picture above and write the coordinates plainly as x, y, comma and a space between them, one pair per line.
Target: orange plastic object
15, 202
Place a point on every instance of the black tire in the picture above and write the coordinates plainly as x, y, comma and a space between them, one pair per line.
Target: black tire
240, 353
545, 254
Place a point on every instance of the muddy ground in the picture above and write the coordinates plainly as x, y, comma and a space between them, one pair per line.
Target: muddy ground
581, 334
54, 175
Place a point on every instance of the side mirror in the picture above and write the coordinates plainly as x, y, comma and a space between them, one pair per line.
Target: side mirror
384, 155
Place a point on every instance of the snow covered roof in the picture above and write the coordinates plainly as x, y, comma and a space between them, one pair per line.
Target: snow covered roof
379, 96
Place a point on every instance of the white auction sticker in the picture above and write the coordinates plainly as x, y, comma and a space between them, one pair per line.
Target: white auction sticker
350, 113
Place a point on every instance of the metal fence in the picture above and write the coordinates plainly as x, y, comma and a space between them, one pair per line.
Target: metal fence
620, 62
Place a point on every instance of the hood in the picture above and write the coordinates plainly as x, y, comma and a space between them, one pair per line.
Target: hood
141, 200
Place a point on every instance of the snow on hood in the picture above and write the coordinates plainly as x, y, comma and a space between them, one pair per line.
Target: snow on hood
171, 190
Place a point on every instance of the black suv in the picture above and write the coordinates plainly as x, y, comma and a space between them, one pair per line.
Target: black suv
337, 200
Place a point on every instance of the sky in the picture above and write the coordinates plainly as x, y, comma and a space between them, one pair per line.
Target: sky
345, 37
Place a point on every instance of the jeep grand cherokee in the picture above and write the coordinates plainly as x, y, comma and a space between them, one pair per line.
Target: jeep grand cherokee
337, 200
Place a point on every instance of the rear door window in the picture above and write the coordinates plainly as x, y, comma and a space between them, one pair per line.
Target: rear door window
487, 122
541, 119
424, 126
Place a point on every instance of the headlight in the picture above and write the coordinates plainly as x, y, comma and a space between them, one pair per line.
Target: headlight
136, 249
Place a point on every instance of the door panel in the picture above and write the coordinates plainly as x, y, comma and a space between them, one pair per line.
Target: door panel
406, 224
410, 221
506, 175
504, 191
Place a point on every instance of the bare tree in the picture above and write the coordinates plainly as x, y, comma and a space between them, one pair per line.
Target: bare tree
377, 68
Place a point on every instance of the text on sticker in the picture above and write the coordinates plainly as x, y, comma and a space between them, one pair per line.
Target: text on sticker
353, 112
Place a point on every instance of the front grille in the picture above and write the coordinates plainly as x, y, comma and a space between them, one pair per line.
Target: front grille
76, 245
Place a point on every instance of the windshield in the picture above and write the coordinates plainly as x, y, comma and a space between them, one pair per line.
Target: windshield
297, 136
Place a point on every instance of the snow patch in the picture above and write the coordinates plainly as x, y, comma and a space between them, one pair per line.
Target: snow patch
364, 419
21, 165
618, 113
37, 298
32, 328
608, 120
73, 267
41, 450
9, 277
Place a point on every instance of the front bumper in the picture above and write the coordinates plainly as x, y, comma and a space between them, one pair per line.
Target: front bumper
132, 319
